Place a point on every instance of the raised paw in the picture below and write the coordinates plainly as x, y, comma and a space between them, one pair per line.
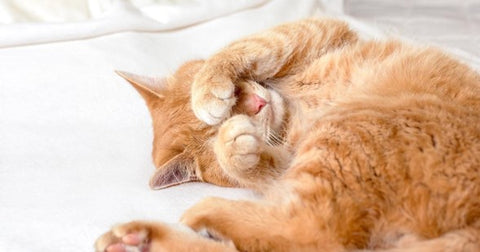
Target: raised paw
213, 96
238, 145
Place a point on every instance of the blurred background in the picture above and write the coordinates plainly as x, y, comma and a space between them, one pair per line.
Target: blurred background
450, 23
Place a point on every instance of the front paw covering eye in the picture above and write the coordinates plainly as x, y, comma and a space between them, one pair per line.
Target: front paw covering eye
213, 99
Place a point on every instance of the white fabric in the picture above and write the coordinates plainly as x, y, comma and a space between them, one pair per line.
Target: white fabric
454, 25
117, 16
75, 139
15, 11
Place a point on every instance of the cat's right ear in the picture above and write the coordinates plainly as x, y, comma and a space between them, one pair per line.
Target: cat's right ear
178, 170
150, 88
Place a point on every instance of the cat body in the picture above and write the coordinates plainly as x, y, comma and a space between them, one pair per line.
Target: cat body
352, 144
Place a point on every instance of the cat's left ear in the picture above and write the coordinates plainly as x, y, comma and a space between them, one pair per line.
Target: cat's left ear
150, 88
178, 170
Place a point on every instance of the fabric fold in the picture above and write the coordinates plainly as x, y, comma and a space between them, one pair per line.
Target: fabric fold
123, 16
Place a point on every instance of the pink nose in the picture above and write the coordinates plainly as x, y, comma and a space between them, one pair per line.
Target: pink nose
258, 103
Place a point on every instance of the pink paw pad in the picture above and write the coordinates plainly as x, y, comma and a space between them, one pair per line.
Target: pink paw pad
134, 242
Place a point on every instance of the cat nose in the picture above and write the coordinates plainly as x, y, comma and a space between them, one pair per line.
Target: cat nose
258, 103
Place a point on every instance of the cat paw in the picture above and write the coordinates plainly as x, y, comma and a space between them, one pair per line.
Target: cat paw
141, 236
202, 213
213, 97
238, 145
130, 237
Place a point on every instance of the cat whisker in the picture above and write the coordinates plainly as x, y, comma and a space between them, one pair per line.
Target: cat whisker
272, 137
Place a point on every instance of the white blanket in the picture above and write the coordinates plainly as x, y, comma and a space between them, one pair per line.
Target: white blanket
75, 139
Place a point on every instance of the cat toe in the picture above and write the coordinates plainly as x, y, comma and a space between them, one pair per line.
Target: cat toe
238, 146
213, 104
246, 144
116, 247
129, 237
213, 111
237, 126
106, 240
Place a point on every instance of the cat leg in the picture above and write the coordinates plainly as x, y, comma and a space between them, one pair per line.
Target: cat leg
141, 236
259, 226
243, 154
465, 240
275, 53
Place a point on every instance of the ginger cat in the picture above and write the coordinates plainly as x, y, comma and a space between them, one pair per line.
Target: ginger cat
353, 145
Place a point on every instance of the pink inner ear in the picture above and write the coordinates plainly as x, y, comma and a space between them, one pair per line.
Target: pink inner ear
161, 179
174, 172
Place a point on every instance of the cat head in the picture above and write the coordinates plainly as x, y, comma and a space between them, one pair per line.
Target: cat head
183, 145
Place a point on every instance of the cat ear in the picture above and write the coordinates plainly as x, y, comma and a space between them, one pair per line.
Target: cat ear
150, 88
178, 170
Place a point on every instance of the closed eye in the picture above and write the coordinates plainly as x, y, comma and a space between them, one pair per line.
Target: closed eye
238, 91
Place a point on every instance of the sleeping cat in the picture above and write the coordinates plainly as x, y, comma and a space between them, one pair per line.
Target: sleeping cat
353, 145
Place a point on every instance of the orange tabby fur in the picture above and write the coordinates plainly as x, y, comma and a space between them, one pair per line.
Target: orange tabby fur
363, 145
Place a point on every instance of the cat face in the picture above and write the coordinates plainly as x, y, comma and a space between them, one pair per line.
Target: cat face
263, 105
182, 145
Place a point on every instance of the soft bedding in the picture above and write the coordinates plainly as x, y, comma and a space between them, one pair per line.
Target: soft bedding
75, 139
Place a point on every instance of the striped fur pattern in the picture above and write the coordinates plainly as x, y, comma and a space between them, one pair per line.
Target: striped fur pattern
362, 145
